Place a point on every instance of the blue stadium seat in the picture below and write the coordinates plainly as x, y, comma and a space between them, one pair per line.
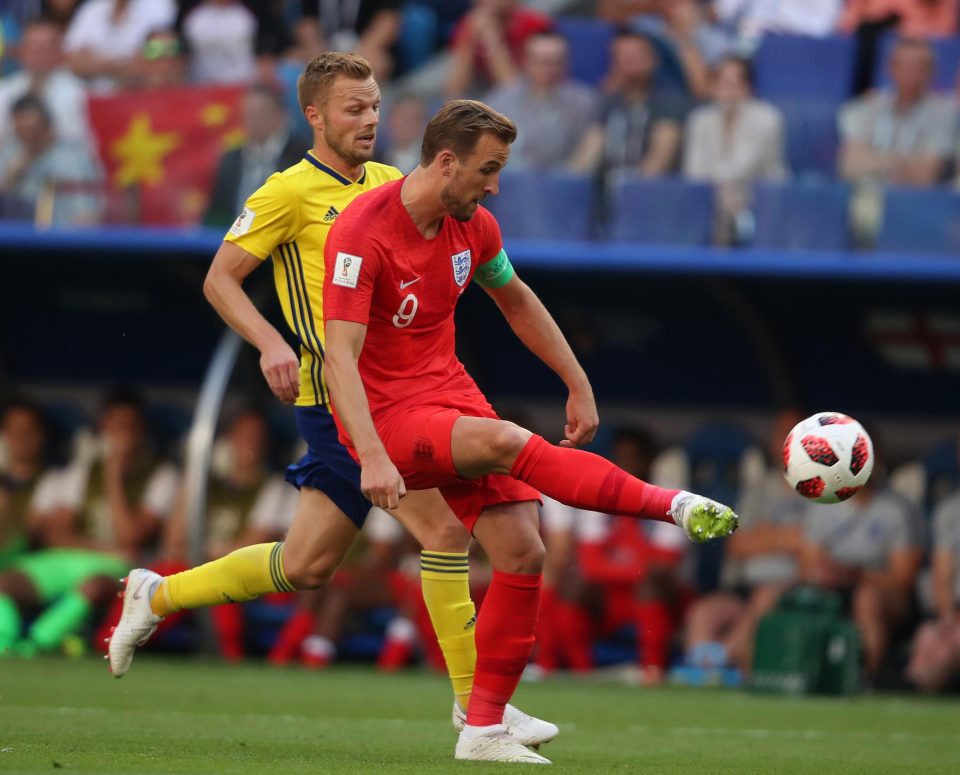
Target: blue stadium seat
801, 215
589, 41
946, 50
925, 220
812, 135
544, 205
667, 211
802, 67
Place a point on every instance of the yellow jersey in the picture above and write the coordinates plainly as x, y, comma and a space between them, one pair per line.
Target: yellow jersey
287, 219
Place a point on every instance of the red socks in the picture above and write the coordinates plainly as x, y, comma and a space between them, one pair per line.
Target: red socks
654, 631
505, 635
587, 481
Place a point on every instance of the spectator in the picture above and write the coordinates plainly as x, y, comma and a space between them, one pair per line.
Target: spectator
60, 12
684, 29
44, 75
551, 112
749, 20
269, 147
105, 36
221, 35
368, 27
26, 483
406, 120
246, 505
903, 137
625, 571
935, 659
762, 560
868, 548
55, 180
162, 62
488, 46
638, 130
107, 511
911, 18
733, 142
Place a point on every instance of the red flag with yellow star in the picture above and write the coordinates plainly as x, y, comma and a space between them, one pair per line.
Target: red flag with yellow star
160, 149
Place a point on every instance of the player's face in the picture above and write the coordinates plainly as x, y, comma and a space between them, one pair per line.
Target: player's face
349, 118
475, 176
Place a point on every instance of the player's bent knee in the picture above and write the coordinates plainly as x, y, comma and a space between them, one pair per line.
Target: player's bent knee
527, 558
450, 536
506, 442
314, 573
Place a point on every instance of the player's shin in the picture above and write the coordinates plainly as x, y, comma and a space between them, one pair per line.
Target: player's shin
446, 592
587, 481
505, 638
242, 575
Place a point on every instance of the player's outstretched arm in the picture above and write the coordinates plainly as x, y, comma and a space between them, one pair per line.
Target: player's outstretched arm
380, 480
537, 329
223, 288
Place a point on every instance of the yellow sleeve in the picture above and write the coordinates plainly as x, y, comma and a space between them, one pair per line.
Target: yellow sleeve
270, 217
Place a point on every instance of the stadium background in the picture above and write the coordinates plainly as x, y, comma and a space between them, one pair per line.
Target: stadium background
702, 344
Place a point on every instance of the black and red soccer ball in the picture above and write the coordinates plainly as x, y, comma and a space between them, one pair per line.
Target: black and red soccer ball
828, 457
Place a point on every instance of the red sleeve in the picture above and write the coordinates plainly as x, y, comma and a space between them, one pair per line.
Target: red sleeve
351, 264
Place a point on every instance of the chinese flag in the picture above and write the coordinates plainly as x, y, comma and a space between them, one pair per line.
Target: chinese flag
160, 149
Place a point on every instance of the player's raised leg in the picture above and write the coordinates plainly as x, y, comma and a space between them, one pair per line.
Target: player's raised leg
581, 479
510, 535
317, 541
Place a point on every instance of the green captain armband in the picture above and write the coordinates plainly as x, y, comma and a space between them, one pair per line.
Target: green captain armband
496, 273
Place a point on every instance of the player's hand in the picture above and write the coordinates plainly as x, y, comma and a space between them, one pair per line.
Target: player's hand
582, 419
281, 369
381, 483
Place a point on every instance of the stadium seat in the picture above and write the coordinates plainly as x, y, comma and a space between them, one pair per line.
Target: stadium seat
924, 220
812, 136
544, 205
589, 41
803, 67
667, 211
946, 52
801, 215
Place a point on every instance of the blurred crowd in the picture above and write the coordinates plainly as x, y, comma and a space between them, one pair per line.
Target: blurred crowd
616, 589
668, 91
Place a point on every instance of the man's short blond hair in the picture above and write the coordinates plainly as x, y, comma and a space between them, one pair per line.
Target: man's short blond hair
315, 81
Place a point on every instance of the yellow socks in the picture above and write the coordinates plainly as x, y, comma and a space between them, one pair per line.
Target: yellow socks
242, 575
446, 591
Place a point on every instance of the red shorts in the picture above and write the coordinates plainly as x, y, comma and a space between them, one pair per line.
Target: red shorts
418, 441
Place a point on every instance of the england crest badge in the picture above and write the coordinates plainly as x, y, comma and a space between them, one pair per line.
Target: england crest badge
461, 267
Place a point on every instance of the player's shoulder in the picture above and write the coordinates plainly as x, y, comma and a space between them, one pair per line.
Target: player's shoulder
378, 173
371, 198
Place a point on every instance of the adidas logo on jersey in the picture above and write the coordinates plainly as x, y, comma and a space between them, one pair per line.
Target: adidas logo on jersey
331, 215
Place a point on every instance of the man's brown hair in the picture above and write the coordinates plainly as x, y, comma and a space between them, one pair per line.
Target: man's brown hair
458, 127
321, 72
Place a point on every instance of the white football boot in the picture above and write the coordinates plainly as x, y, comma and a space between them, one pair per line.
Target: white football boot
137, 622
701, 518
522, 727
494, 744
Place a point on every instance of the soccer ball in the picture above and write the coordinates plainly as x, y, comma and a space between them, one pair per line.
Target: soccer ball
827, 457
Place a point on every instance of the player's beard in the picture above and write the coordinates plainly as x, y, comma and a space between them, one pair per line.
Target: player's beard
456, 203
342, 145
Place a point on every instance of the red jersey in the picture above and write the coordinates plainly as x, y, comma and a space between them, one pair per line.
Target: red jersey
405, 289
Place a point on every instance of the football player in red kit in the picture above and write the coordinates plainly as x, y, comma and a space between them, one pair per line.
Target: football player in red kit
397, 261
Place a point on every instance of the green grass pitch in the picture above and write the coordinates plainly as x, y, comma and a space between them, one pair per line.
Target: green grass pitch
196, 717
